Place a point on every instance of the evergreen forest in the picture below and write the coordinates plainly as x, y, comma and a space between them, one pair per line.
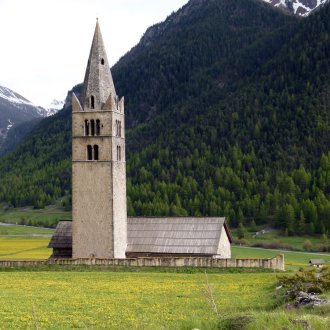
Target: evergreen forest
227, 114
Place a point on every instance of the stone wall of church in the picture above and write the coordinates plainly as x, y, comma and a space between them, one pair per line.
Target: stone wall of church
224, 248
119, 209
276, 263
92, 228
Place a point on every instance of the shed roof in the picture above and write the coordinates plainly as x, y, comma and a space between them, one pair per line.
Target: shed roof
316, 262
62, 238
175, 235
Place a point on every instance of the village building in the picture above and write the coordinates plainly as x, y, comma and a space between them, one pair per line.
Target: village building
100, 227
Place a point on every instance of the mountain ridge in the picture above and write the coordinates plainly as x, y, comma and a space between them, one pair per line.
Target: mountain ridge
19, 114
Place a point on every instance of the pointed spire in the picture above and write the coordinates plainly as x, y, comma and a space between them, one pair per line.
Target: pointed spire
98, 83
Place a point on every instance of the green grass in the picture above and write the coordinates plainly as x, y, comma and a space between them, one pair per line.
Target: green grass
24, 231
108, 300
295, 242
56, 297
47, 217
24, 248
24, 243
126, 300
293, 260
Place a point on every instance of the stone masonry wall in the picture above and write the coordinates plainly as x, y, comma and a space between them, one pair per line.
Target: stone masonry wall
92, 226
276, 263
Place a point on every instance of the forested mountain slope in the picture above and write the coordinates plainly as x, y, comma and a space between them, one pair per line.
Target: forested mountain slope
260, 153
228, 104
204, 42
15, 110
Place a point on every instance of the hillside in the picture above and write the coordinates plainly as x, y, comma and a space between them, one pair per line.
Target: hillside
257, 154
18, 116
15, 110
203, 42
228, 108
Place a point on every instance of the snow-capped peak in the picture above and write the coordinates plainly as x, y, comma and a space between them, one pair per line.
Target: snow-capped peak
52, 108
298, 7
13, 97
56, 104
25, 106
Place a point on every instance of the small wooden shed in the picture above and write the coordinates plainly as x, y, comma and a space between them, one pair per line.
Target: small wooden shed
61, 241
317, 262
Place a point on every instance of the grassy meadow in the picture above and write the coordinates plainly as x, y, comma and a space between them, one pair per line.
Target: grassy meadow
118, 298
24, 248
47, 217
277, 238
293, 259
24, 243
145, 300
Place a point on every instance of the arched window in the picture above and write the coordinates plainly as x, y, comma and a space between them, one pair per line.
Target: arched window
102, 61
98, 127
96, 152
92, 102
92, 127
89, 152
86, 127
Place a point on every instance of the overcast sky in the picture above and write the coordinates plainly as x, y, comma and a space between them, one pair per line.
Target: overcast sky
45, 43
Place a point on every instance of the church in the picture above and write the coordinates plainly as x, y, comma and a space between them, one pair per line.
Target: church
100, 227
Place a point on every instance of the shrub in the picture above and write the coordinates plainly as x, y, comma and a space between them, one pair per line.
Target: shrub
235, 322
274, 244
241, 231
321, 248
311, 280
308, 245
241, 242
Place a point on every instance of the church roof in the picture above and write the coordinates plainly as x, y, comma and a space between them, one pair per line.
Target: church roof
175, 235
172, 235
62, 237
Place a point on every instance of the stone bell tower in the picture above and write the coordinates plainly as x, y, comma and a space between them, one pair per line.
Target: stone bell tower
99, 211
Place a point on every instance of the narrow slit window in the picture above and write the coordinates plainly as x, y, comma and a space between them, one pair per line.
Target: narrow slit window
118, 153
92, 102
98, 127
92, 127
102, 61
96, 152
86, 127
89, 152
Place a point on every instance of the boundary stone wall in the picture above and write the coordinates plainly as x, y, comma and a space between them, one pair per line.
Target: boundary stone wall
276, 263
